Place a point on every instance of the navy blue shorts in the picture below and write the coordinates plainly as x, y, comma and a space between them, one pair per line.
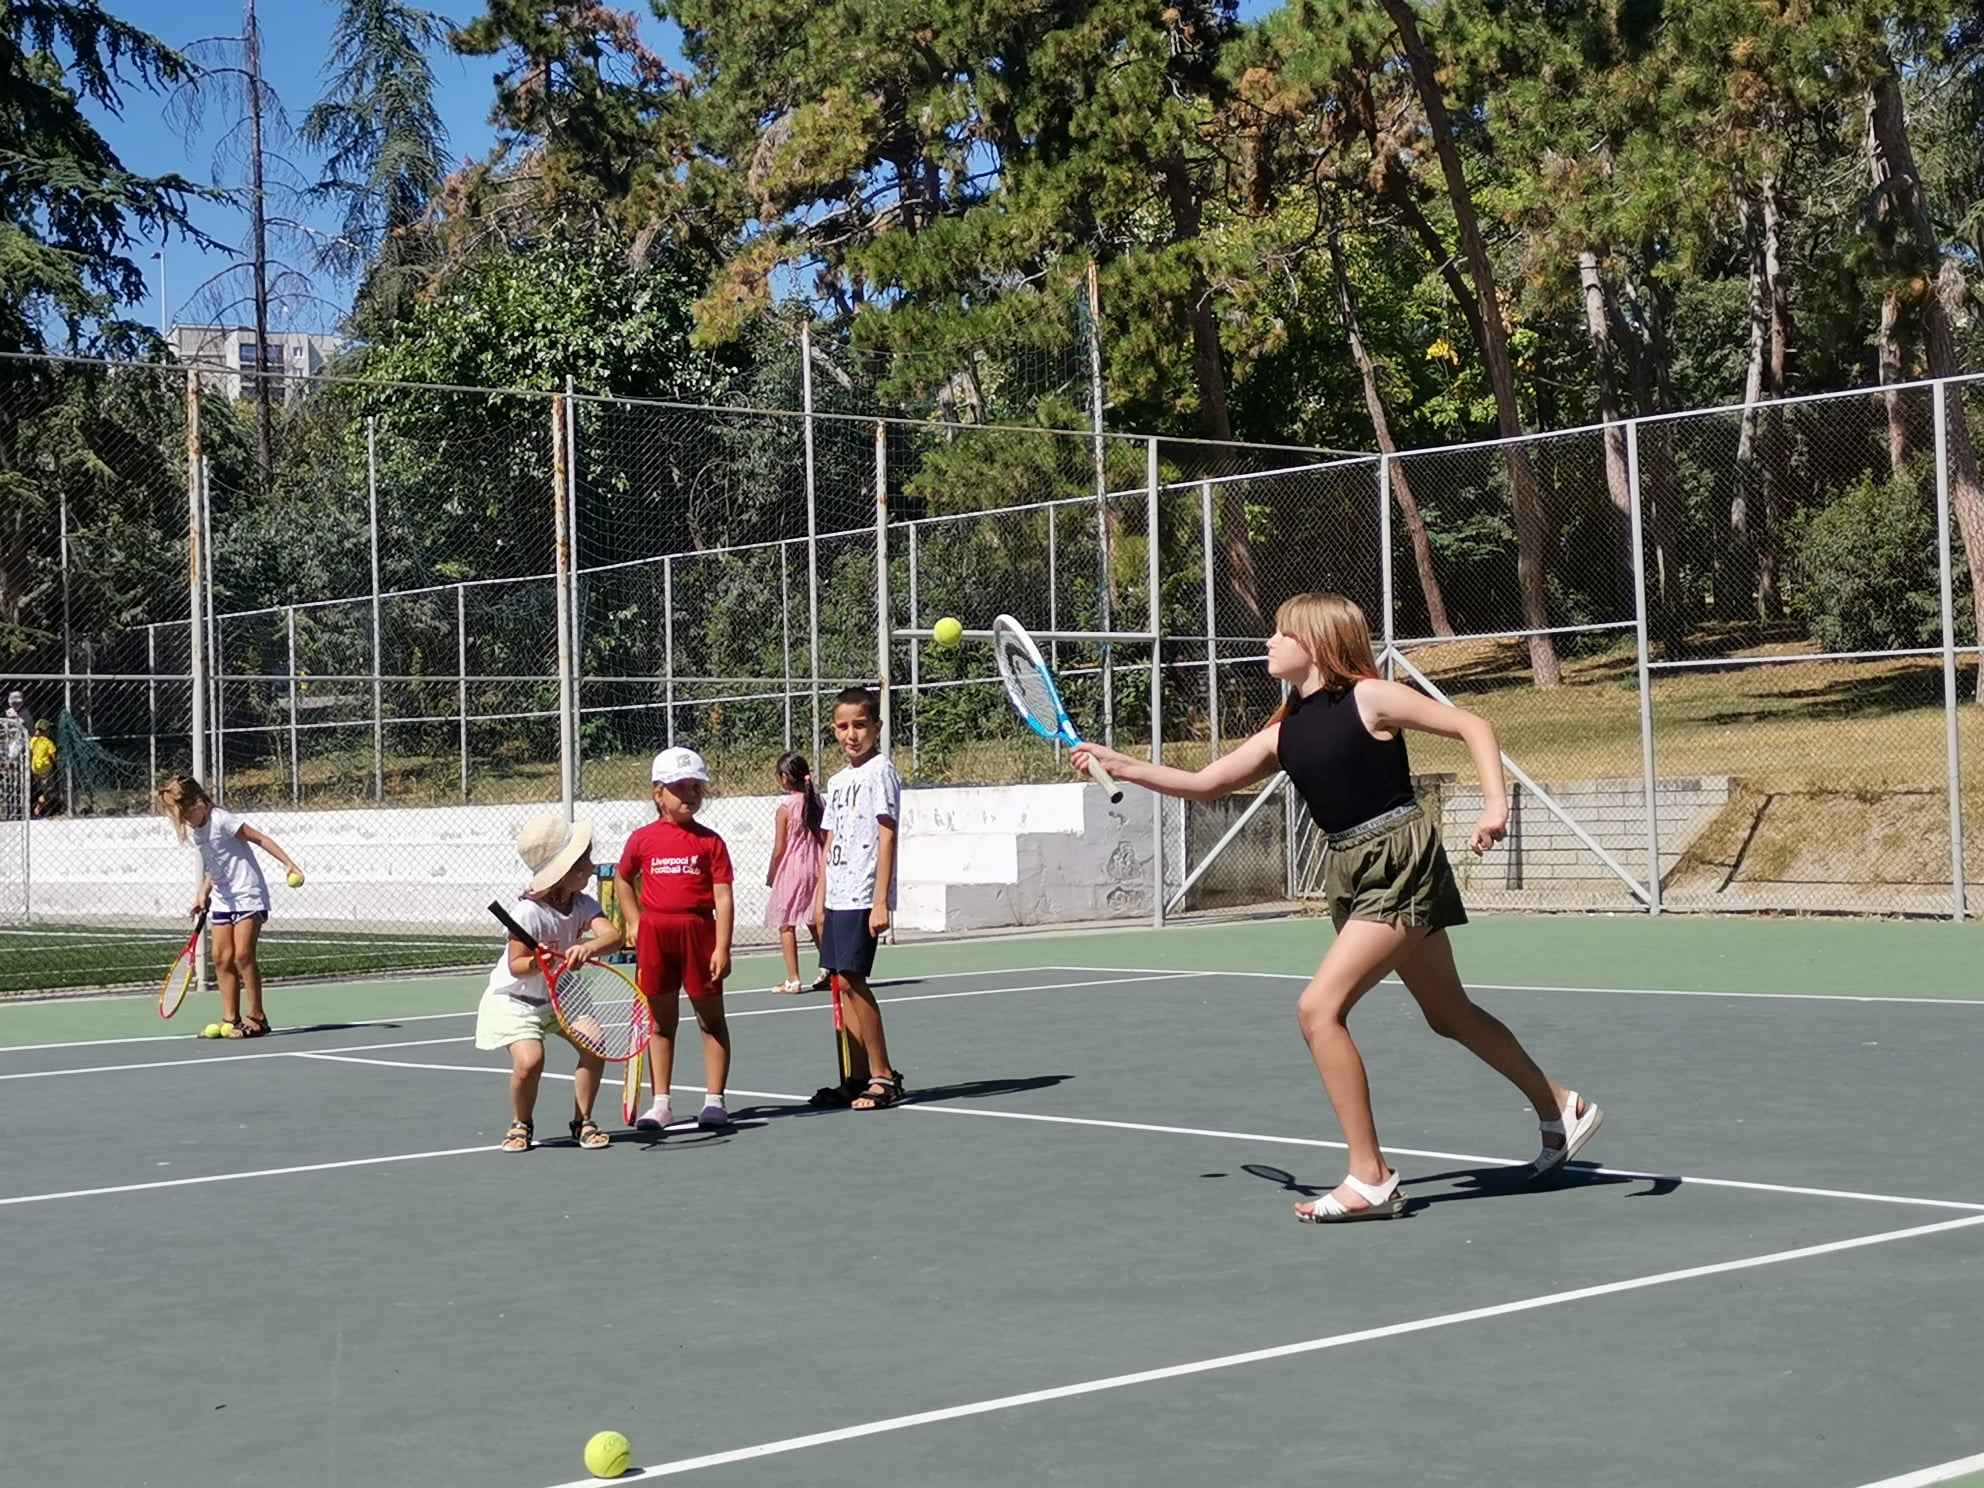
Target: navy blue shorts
236, 916
846, 944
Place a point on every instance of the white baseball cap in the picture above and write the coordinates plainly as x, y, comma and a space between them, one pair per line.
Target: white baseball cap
672, 765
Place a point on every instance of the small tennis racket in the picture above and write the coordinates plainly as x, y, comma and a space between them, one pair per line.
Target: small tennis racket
598, 1006
630, 1086
179, 980
1031, 689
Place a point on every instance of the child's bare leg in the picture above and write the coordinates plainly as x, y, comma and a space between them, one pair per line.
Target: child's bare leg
227, 978
247, 968
526, 1066
864, 1022
716, 1042
1357, 960
1427, 968
667, 1012
788, 942
585, 1081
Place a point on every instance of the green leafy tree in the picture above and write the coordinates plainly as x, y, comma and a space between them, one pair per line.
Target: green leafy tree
69, 207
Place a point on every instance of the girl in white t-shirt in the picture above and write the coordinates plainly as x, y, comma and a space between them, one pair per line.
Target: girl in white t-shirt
230, 873
515, 1012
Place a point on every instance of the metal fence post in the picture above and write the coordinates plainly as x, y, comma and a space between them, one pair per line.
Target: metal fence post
884, 618
562, 546
196, 601
461, 677
915, 663
68, 662
1053, 605
1388, 624
1650, 780
812, 533
785, 641
1101, 502
1945, 579
1156, 684
217, 670
295, 735
572, 598
668, 646
1212, 616
151, 699
378, 692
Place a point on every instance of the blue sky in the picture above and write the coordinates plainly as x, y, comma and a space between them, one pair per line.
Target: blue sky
296, 40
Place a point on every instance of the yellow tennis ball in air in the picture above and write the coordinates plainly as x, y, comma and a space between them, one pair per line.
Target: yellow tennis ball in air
296, 878
212, 1030
608, 1455
947, 632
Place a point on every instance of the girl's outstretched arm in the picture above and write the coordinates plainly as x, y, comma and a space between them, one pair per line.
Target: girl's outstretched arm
1393, 705
1252, 761
268, 845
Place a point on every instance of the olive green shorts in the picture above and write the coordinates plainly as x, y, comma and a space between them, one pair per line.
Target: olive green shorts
1394, 870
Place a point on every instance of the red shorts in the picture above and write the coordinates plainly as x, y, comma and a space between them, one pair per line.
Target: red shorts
672, 953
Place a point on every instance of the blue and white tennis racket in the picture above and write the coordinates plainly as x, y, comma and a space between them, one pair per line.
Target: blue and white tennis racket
1034, 696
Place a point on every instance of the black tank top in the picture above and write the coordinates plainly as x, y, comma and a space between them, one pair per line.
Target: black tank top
1343, 774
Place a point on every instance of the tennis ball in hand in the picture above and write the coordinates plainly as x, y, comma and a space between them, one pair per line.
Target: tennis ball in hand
296, 878
947, 632
608, 1455
212, 1030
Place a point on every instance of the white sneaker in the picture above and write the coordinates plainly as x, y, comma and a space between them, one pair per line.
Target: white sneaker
655, 1117
713, 1114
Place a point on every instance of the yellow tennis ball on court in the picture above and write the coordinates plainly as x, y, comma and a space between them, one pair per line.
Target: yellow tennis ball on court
608, 1455
947, 632
212, 1030
296, 878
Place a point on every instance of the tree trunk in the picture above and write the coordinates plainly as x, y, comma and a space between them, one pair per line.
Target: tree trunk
1770, 594
1735, 567
1901, 439
1209, 378
1531, 522
258, 206
1618, 483
1381, 428
1894, 166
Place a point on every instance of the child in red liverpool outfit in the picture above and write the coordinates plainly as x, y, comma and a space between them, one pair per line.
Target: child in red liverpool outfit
680, 923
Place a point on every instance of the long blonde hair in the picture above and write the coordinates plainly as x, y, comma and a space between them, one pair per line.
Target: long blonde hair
178, 793
1336, 635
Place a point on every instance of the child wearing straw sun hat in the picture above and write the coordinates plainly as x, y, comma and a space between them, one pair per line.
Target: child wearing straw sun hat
515, 1012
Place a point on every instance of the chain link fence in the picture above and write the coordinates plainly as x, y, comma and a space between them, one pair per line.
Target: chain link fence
1716, 645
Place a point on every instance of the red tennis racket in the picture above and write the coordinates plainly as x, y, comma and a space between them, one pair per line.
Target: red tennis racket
598, 1005
179, 979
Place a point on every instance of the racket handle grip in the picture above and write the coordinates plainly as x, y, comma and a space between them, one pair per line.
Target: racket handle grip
1103, 778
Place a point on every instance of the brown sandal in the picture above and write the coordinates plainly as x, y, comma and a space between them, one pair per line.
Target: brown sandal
586, 1132
518, 1138
254, 1025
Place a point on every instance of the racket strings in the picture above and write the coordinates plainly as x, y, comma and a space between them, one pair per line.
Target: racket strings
602, 1011
1029, 690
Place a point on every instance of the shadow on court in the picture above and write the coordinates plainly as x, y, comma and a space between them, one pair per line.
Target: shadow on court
1483, 1182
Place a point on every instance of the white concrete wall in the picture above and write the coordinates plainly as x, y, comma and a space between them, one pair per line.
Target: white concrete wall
972, 858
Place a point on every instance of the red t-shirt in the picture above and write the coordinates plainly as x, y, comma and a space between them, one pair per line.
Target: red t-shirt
680, 867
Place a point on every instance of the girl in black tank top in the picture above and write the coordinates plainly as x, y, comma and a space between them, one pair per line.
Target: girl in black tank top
1340, 739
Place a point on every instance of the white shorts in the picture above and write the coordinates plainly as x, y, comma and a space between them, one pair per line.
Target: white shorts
501, 1020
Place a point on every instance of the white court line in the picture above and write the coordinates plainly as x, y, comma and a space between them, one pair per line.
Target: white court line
1942, 1472
935, 976
1264, 1355
1302, 976
936, 1108
213, 1059
788, 1007
354, 1162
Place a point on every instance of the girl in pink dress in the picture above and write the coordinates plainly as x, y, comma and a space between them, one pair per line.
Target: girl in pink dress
794, 873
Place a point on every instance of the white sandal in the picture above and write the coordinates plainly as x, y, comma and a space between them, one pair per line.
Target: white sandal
1386, 1199
790, 989
1576, 1130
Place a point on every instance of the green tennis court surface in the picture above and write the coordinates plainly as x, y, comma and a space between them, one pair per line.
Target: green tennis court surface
1069, 1259
54, 957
